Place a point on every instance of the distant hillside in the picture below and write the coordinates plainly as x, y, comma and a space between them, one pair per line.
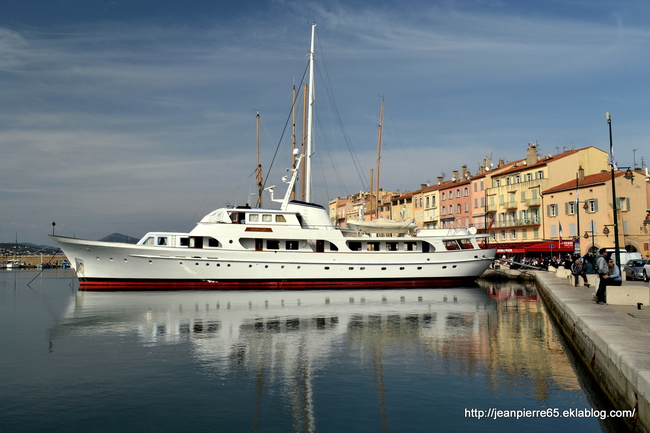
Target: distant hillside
119, 237
8, 249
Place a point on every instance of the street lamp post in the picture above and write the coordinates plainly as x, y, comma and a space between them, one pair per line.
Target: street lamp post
614, 204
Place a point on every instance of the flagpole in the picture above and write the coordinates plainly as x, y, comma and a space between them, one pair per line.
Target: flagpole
578, 212
614, 204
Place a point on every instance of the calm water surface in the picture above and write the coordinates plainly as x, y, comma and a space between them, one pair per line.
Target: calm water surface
305, 361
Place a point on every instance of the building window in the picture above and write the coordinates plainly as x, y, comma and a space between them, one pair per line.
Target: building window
570, 208
551, 210
624, 204
592, 205
540, 174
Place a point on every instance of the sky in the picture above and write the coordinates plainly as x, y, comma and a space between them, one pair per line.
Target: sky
139, 116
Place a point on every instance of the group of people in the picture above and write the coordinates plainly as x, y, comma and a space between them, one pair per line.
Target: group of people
609, 273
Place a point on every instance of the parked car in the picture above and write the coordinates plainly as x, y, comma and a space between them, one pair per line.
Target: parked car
646, 271
633, 269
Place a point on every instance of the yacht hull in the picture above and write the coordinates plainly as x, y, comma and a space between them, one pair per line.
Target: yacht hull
124, 267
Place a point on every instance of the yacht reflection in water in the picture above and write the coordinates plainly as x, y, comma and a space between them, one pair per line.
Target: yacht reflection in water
285, 338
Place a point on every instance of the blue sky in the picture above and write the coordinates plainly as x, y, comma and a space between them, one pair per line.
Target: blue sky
139, 116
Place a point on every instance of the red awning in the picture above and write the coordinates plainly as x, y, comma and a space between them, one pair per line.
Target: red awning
552, 246
511, 250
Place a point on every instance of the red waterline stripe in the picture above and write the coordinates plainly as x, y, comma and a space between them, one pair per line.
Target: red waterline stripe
122, 285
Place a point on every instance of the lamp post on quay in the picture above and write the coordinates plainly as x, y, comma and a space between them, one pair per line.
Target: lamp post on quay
614, 204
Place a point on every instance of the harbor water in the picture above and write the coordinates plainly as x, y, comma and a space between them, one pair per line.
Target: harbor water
484, 358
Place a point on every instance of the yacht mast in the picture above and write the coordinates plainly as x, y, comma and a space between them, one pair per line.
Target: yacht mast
293, 134
259, 164
308, 151
379, 135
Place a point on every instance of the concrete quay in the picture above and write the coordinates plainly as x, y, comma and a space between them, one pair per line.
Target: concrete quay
612, 340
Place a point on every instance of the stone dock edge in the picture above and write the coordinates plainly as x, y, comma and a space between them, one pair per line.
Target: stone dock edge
613, 341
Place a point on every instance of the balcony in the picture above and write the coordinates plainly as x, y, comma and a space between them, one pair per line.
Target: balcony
516, 222
510, 204
537, 201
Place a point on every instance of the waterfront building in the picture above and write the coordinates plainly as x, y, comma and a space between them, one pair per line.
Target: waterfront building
526, 204
431, 196
583, 208
515, 207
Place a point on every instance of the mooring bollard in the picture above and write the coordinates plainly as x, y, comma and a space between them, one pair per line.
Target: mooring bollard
638, 305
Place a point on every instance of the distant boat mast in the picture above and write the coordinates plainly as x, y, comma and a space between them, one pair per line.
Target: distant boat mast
379, 136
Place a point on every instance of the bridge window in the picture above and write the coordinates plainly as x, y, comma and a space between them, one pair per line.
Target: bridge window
355, 246
452, 245
466, 244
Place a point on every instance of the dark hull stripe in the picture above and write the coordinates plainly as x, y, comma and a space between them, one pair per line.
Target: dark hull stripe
151, 285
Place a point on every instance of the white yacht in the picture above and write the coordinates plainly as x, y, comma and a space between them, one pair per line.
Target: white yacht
293, 247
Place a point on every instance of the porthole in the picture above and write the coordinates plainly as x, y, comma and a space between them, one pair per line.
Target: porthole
401, 268
383, 268
351, 268
327, 268
419, 268
444, 267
